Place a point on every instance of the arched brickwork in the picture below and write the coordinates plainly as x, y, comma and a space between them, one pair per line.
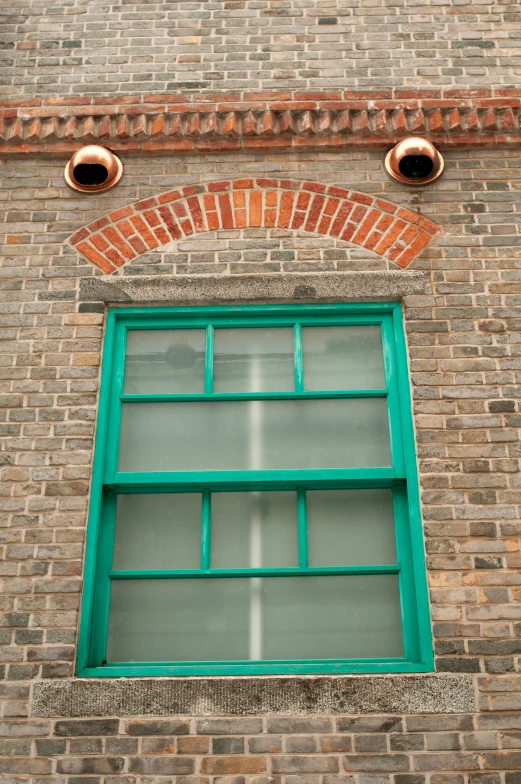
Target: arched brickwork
393, 232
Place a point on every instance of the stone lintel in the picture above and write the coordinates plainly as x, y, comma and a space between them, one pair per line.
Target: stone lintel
270, 288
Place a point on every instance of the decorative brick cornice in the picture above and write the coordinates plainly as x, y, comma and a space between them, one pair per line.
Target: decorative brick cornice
185, 123
393, 232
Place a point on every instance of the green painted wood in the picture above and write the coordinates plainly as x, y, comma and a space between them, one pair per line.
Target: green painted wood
208, 363
360, 477
93, 523
401, 476
290, 571
308, 667
417, 545
298, 354
300, 395
205, 530
302, 529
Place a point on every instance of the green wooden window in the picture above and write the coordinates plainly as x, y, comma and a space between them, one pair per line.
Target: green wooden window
254, 505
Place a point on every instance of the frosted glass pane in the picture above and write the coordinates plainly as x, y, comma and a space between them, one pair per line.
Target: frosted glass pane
343, 358
254, 530
253, 360
158, 531
178, 620
331, 617
254, 435
350, 527
255, 618
168, 361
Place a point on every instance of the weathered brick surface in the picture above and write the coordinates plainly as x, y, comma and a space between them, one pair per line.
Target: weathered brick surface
188, 122
259, 95
84, 48
464, 378
389, 230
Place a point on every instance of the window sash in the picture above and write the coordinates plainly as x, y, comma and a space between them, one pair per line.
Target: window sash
400, 476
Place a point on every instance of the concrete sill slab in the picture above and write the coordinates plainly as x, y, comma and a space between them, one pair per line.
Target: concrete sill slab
243, 696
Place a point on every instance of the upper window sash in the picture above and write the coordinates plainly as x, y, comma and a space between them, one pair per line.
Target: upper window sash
395, 467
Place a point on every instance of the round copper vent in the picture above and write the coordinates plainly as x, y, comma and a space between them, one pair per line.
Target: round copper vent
414, 161
93, 169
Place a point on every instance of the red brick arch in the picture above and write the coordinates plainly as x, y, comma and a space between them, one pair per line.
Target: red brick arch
393, 232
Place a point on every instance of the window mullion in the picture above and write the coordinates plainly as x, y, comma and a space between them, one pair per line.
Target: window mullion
302, 529
208, 362
206, 530
297, 348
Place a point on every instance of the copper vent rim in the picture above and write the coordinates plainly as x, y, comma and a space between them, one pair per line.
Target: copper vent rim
409, 147
93, 154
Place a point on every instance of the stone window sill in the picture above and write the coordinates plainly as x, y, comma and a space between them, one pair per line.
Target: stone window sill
243, 696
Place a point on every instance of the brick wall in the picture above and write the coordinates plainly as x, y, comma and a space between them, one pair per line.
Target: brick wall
92, 48
464, 351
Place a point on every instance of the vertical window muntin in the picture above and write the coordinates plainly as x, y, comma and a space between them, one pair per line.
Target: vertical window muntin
408, 566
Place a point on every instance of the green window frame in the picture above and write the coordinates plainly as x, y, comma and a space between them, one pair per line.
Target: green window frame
400, 477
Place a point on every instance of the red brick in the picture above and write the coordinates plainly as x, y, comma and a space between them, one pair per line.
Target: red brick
142, 229
286, 209
372, 240
361, 198
392, 234
117, 240
115, 257
138, 244
151, 218
385, 206
366, 226
226, 211
242, 184
79, 235
99, 224
145, 203
314, 187
314, 213
214, 187
339, 222
161, 235
99, 242
196, 213
124, 212
126, 228
358, 213
96, 258
303, 201
165, 198
255, 208
170, 222
414, 248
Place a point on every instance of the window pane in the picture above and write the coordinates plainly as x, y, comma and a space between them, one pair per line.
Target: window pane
254, 435
158, 531
269, 618
165, 361
342, 358
178, 620
350, 527
254, 530
253, 360
331, 617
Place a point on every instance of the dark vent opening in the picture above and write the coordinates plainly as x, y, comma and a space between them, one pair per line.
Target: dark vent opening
416, 167
90, 174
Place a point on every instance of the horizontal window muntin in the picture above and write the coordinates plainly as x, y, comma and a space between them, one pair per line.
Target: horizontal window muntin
219, 362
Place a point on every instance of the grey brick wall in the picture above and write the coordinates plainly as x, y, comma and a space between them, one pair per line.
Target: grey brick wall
91, 47
464, 343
